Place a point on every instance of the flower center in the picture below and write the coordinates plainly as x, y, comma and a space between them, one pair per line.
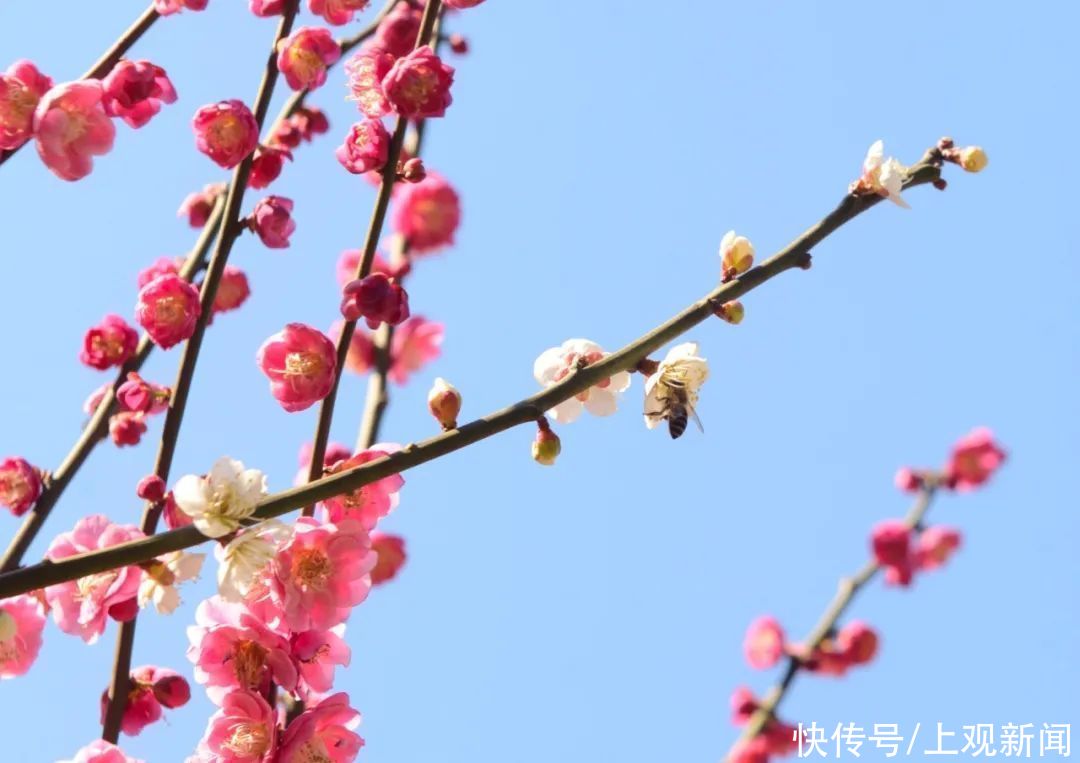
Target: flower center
8, 627
432, 214
89, 586
75, 125
13, 488
107, 345
160, 573
307, 63
249, 739
169, 311
419, 85
311, 568
221, 499
17, 106
312, 751
226, 132
248, 661
303, 364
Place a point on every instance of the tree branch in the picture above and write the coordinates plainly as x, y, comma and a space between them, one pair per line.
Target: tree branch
229, 230
525, 411
109, 58
845, 594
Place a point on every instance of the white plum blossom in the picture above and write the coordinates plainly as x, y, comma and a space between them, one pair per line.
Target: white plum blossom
218, 501
882, 176
161, 576
683, 369
736, 254
556, 364
246, 556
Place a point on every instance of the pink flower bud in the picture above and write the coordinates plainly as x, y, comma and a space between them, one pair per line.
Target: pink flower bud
459, 44
858, 642
417, 341
20, 485
141, 709
21, 87
310, 121
266, 8
891, 542
226, 132
162, 266
169, 7
136, 394
168, 309
935, 546
349, 262
743, 705
366, 147
413, 170
93, 400
151, 488
233, 290
900, 574
170, 688
110, 343
546, 447
908, 480
764, 643
444, 402
300, 362
427, 213
198, 204
135, 90
127, 428
272, 221
124, 611
337, 12
974, 460
173, 517
365, 72
71, 127
397, 32
418, 84
267, 164
304, 56
376, 298
390, 557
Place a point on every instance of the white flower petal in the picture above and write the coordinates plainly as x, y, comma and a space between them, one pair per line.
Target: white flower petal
192, 495
224, 471
602, 402
620, 382
215, 526
548, 365
567, 412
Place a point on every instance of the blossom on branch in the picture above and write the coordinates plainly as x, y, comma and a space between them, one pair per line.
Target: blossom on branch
416, 342
233, 290
882, 176
218, 501
366, 147
135, 90
169, 7
557, 363
377, 299
272, 221
427, 213
20, 485
168, 309
163, 575
109, 343
267, 165
764, 643
365, 72
369, 503
71, 127
397, 32
21, 623
305, 55
243, 730
226, 132
391, 556
245, 558
337, 12
197, 205
300, 362
21, 88
974, 459
323, 732
100, 751
317, 653
676, 381
417, 86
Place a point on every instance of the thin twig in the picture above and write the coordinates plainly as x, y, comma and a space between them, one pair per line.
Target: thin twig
523, 412
845, 594
229, 229
367, 258
98, 426
109, 58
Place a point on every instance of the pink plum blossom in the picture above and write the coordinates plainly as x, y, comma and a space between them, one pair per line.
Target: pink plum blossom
197, 205
366, 147
233, 290
418, 84
376, 298
100, 751
272, 221
127, 428
109, 343
81, 606
71, 127
764, 643
416, 343
361, 356
317, 653
935, 546
335, 451
267, 165
151, 488
232, 648
397, 33
172, 515
20, 485
858, 642
323, 733
365, 72
349, 262
21, 88
162, 266
300, 362
226, 132
137, 394
304, 125
305, 55
266, 8
427, 213
322, 573
135, 90
974, 459
243, 730
169, 7
390, 552
168, 308
555, 364
337, 12
369, 503
21, 624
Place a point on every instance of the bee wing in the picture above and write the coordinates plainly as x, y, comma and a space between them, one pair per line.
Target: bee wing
694, 416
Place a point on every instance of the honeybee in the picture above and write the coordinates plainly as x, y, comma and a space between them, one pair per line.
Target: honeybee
677, 410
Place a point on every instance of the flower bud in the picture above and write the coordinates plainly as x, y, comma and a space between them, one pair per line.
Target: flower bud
127, 428
732, 312
458, 44
908, 480
171, 689
972, 159
151, 488
736, 255
444, 402
413, 170
546, 447
858, 642
376, 298
272, 221
226, 132
891, 542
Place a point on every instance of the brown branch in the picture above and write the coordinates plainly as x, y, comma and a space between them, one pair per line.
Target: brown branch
98, 426
428, 23
230, 229
526, 411
847, 589
109, 58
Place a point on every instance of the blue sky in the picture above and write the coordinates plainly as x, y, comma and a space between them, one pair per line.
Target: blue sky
595, 610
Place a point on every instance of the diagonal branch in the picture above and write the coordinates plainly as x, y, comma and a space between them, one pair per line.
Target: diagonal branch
848, 588
795, 255
230, 229
109, 58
